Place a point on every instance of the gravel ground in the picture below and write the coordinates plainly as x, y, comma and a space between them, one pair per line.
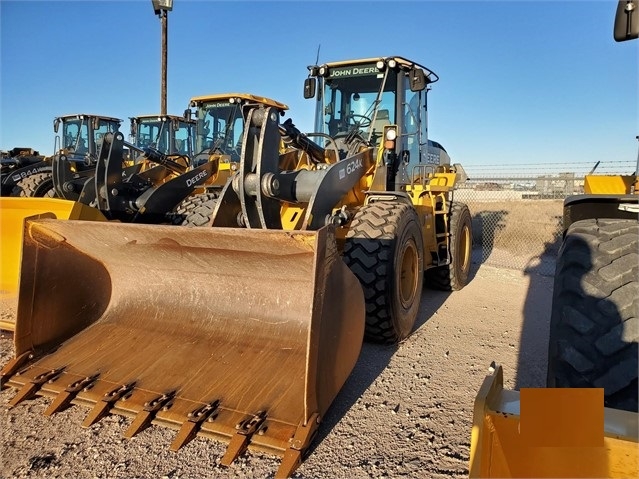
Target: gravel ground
405, 410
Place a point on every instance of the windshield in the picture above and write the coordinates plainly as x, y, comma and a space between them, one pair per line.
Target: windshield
184, 138
153, 133
159, 134
220, 125
75, 135
357, 98
104, 127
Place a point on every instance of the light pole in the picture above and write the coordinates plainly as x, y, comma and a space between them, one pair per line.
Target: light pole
161, 9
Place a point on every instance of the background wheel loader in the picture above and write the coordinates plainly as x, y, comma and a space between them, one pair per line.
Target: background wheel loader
29, 174
593, 336
168, 134
220, 126
16, 164
246, 330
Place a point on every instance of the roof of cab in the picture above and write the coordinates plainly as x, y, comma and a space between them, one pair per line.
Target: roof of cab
244, 96
400, 60
79, 115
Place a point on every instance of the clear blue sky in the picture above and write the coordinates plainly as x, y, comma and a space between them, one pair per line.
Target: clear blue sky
520, 82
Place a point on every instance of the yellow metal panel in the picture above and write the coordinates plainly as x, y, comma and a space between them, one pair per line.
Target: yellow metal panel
608, 185
13, 212
554, 417
498, 449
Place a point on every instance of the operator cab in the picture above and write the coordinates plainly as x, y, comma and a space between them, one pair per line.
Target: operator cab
82, 135
169, 134
371, 95
219, 127
220, 123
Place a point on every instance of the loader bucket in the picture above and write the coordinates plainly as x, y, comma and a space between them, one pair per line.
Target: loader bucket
241, 335
13, 212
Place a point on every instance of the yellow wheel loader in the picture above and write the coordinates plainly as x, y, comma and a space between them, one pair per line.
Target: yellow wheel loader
592, 344
246, 330
77, 151
219, 130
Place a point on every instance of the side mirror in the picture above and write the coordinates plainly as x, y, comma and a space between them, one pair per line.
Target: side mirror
309, 87
134, 132
417, 79
56, 125
95, 123
627, 20
187, 114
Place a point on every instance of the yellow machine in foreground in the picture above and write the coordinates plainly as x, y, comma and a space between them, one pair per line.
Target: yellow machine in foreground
499, 449
246, 330
13, 212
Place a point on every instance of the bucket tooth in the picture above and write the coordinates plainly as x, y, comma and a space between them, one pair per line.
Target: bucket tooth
64, 398
144, 417
13, 366
241, 439
191, 426
108, 401
291, 461
31, 388
304, 435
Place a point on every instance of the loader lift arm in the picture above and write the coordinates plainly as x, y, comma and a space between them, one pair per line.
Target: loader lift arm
253, 197
141, 192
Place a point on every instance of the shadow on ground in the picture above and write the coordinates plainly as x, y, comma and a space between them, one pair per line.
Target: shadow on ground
532, 360
373, 360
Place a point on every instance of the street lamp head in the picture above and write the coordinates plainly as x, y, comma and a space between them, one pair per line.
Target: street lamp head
160, 6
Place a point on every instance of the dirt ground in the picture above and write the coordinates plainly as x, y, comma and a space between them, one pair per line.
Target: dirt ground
405, 410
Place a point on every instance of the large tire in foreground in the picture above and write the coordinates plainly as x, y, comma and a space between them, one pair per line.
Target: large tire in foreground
195, 210
454, 276
384, 249
594, 324
38, 185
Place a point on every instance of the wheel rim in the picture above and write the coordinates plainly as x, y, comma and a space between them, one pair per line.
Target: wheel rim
408, 274
464, 249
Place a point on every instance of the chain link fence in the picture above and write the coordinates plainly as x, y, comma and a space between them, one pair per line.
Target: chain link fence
518, 216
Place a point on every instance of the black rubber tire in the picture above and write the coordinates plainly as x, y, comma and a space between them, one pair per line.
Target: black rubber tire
385, 239
38, 185
454, 276
594, 324
195, 210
